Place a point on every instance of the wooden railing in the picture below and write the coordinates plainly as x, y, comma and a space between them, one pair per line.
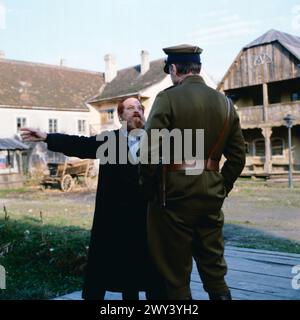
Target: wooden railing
275, 113
251, 115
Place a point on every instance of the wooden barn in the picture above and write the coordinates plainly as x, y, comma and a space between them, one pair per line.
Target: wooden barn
264, 83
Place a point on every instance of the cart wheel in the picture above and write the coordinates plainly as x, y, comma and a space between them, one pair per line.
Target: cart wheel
67, 183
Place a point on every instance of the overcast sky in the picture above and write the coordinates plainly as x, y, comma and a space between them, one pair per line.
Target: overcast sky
83, 31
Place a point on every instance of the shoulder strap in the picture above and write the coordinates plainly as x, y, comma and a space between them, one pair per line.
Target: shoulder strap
222, 132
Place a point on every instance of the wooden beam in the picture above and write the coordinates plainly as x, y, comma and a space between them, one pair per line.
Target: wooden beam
265, 101
267, 132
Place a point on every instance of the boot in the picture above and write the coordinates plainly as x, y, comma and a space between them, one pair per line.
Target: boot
97, 295
130, 295
220, 296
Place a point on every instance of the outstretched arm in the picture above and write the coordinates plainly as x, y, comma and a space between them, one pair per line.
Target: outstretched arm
72, 146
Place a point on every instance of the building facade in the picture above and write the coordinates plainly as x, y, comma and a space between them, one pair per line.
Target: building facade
145, 81
50, 98
264, 84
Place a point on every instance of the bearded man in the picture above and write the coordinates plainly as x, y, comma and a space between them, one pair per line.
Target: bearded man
118, 258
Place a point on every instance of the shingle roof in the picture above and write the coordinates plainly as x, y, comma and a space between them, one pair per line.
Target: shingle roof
25, 84
130, 81
290, 42
12, 144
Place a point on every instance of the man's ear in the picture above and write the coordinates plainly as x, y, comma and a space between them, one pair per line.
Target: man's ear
173, 69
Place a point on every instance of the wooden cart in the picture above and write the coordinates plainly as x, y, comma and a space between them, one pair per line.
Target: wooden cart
67, 174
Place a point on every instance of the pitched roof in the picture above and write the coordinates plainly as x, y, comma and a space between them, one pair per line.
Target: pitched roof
130, 81
288, 41
26, 84
12, 144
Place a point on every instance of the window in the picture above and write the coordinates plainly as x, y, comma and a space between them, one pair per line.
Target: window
107, 116
81, 126
259, 148
277, 146
52, 125
110, 115
21, 123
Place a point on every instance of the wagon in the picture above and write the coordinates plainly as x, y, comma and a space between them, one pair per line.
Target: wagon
68, 173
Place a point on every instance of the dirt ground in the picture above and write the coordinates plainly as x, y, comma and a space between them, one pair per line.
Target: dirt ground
268, 207
263, 207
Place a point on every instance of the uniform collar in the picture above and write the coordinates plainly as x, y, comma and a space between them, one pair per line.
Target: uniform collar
193, 78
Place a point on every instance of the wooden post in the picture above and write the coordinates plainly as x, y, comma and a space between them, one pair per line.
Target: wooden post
20, 162
266, 101
290, 159
267, 132
9, 161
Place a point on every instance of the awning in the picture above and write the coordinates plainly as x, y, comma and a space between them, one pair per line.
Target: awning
12, 144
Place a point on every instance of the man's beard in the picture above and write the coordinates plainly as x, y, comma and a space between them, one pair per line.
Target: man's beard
136, 123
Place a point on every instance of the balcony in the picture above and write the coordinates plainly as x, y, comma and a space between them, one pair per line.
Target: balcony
276, 112
253, 117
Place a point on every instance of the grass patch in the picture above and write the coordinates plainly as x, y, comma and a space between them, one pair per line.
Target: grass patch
41, 261
8, 192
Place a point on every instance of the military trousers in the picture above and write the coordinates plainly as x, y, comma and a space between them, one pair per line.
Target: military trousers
176, 237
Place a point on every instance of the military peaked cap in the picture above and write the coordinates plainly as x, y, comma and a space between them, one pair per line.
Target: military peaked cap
182, 53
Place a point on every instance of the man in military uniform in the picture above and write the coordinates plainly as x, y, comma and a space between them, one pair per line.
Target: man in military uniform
185, 220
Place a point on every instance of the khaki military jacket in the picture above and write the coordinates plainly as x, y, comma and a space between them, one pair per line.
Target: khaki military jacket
194, 105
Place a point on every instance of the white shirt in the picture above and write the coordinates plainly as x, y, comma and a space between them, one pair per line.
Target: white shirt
133, 144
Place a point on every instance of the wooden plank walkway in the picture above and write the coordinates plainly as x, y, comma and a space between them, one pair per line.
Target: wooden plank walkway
252, 275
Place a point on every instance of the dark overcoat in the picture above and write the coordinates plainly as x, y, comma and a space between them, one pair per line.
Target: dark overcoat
118, 253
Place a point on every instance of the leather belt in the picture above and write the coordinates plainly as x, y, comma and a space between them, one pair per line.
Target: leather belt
209, 165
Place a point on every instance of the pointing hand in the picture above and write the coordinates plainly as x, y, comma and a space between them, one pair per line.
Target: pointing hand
32, 135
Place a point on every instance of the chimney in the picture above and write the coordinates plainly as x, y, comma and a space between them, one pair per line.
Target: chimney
2, 54
110, 67
145, 62
62, 62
